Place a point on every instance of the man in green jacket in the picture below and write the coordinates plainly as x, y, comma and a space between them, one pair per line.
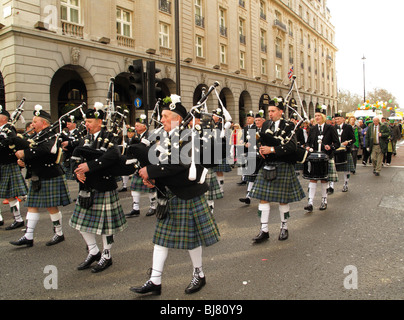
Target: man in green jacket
377, 140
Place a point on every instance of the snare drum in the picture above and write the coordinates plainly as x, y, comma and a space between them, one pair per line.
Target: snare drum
316, 166
340, 156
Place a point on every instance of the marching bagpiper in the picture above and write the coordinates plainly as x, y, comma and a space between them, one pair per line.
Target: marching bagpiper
48, 188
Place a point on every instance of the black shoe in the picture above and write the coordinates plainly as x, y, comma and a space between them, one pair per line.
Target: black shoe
309, 208
323, 206
23, 241
89, 260
284, 234
123, 189
102, 265
2, 223
150, 212
377, 174
55, 240
241, 183
147, 287
330, 190
15, 225
133, 213
245, 200
196, 284
262, 236
345, 188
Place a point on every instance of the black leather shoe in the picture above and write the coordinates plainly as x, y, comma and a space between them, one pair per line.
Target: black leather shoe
345, 188
241, 183
309, 208
1, 222
23, 241
323, 206
150, 212
147, 287
377, 174
262, 236
196, 284
55, 240
330, 190
15, 225
245, 200
133, 213
123, 189
283, 235
89, 260
102, 265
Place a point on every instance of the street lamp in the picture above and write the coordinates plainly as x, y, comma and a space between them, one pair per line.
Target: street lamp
364, 82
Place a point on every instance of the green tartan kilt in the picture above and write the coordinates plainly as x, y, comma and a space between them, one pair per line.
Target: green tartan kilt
214, 189
347, 167
222, 167
138, 185
106, 215
12, 182
332, 171
189, 224
285, 188
53, 193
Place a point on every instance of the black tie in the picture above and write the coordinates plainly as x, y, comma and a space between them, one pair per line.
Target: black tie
320, 129
272, 128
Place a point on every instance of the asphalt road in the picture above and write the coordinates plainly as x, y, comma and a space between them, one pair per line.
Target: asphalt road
351, 251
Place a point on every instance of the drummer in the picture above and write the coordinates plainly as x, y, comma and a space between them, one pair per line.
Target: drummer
326, 135
346, 137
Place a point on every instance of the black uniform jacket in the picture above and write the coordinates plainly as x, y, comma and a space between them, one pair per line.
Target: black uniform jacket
6, 154
347, 135
330, 137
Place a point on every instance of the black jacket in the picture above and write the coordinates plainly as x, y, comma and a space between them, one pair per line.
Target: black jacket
347, 134
330, 137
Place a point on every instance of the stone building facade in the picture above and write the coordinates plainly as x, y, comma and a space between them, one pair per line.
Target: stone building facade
60, 53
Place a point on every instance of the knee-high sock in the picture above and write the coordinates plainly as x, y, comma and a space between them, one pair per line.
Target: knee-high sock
324, 192
1, 217
136, 200
125, 180
312, 191
32, 220
15, 210
211, 204
264, 208
249, 188
331, 184
159, 258
57, 222
347, 175
89, 238
196, 258
107, 242
153, 199
284, 212
220, 179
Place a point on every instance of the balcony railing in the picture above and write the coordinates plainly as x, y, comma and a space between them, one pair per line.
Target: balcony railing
72, 29
165, 6
125, 41
242, 39
223, 31
280, 25
199, 21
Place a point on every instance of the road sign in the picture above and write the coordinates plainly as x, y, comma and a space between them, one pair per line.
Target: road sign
138, 103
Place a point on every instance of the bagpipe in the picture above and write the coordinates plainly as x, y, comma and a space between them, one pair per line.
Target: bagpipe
268, 138
9, 130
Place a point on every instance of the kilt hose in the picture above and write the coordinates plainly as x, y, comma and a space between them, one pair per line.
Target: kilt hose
346, 167
138, 185
285, 188
12, 182
105, 217
332, 171
189, 224
214, 189
53, 193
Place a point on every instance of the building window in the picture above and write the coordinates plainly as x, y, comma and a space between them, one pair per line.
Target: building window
263, 14
263, 40
263, 66
278, 71
70, 11
242, 60
199, 47
164, 35
199, 19
222, 22
223, 54
123, 23
241, 31
278, 48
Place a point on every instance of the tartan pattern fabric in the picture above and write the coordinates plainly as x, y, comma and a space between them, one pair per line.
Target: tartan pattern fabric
106, 215
53, 193
332, 171
68, 169
222, 167
285, 188
189, 224
214, 189
347, 167
12, 182
138, 185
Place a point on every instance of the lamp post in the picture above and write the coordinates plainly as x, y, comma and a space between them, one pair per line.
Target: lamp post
364, 81
177, 47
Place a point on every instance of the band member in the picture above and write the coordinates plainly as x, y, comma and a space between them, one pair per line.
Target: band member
328, 138
69, 135
258, 121
137, 186
346, 138
223, 166
98, 211
48, 188
276, 180
188, 223
250, 124
12, 182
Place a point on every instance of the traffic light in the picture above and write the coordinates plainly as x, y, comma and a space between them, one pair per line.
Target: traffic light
137, 80
152, 83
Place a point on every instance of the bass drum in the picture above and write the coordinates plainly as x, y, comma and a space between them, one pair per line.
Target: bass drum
316, 166
340, 156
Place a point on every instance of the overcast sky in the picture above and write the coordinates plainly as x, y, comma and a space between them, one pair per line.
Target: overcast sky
374, 29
